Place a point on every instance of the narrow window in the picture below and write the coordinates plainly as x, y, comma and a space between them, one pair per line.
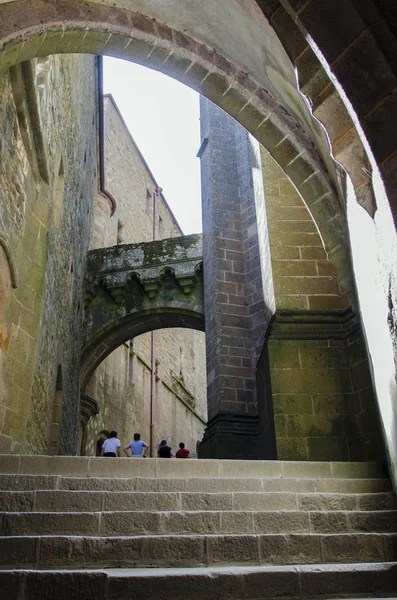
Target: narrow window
148, 202
119, 232
131, 367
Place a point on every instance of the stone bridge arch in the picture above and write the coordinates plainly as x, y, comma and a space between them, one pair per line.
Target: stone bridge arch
135, 288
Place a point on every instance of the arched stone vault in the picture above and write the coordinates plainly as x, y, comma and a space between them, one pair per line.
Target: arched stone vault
250, 77
135, 288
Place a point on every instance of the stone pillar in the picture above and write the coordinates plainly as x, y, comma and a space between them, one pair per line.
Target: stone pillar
238, 296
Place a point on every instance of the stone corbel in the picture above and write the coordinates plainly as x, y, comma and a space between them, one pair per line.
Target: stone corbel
89, 295
151, 286
115, 285
187, 283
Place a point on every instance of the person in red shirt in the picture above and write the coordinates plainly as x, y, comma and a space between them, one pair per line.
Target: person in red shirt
182, 452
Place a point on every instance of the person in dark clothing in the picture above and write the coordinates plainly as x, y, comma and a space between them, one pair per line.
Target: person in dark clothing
164, 451
182, 452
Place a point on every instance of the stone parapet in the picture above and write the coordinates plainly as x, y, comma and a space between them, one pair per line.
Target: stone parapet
135, 288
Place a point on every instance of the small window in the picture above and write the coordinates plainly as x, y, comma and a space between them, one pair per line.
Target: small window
161, 225
120, 232
131, 367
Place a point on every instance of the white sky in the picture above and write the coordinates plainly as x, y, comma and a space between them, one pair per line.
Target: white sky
163, 118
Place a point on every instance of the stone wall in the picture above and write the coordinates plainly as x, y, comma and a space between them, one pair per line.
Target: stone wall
47, 183
121, 384
323, 399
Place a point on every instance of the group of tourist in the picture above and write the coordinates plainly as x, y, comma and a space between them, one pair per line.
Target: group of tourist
138, 448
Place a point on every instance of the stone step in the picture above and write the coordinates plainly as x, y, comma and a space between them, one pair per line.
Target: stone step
192, 484
129, 523
305, 582
194, 550
98, 501
83, 466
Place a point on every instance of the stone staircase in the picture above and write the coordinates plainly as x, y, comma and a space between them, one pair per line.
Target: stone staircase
117, 529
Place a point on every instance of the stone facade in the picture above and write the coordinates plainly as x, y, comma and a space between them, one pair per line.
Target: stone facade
47, 181
344, 55
121, 385
323, 397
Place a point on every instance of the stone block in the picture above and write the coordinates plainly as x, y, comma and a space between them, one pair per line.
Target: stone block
336, 403
292, 404
305, 285
324, 358
130, 523
223, 484
289, 485
9, 463
292, 302
282, 356
325, 522
353, 486
61, 585
354, 548
34, 465
79, 501
114, 501
173, 550
183, 468
376, 502
285, 253
306, 470
74, 466
85, 552
353, 470
295, 239
290, 549
264, 501
274, 583
362, 63
236, 522
298, 268
256, 468
303, 381
97, 484
281, 522
190, 522
178, 586
269, 134
284, 152
355, 580
377, 522
162, 485
217, 501
10, 583
328, 448
28, 482
16, 501
14, 424
25, 524
17, 552
327, 502
121, 467
233, 549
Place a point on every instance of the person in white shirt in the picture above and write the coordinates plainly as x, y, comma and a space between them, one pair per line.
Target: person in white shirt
138, 447
111, 446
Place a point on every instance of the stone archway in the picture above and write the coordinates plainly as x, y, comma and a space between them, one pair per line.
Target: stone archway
124, 329
238, 67
255, 85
